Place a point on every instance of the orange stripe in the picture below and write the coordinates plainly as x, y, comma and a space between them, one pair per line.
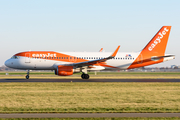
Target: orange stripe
51, 54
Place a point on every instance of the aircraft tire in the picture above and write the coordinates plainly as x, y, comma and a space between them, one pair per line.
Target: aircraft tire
85, 76
27, 76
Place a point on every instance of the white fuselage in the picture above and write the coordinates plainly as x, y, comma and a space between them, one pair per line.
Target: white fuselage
121, 61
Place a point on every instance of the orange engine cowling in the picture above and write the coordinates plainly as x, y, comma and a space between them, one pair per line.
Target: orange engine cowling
64, 70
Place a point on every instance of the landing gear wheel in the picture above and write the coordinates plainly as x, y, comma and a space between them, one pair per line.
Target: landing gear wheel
85, 76
82, 76
27, 76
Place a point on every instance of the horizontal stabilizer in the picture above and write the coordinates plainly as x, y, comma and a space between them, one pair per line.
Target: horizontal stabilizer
160, 57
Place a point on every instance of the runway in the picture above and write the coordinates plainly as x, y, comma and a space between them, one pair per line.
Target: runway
90, 80
87, 115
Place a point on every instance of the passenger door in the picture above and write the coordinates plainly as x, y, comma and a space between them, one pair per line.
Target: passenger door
27, 58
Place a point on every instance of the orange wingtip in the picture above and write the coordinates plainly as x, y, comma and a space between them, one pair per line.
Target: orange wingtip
115, 52
101, 50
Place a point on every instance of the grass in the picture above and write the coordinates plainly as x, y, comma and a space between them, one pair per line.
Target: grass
89, 97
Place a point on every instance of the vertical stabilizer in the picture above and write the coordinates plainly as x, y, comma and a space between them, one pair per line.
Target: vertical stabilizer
158, 43
155, 48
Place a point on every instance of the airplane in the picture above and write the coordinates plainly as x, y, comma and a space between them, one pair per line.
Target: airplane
68, 63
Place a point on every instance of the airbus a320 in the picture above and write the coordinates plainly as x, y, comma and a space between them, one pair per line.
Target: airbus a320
68, 63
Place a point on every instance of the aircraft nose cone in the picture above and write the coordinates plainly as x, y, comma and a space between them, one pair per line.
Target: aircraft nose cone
7, 63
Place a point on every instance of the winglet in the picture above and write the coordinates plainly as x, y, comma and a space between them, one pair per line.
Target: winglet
115, 52
101, 50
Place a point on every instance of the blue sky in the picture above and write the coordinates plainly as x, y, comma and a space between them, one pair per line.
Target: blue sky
86, 25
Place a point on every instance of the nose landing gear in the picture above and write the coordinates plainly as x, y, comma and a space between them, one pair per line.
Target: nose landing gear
27, 76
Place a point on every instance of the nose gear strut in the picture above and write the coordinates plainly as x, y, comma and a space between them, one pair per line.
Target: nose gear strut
27, 76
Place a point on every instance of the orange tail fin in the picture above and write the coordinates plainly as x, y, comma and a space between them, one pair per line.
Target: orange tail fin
156, 47
158, 42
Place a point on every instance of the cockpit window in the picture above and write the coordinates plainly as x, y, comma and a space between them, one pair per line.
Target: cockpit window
14, 57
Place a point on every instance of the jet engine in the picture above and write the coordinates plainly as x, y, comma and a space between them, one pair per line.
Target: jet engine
64, 70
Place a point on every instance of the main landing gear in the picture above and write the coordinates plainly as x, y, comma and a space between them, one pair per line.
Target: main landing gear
85, 76
84, 73
27, 76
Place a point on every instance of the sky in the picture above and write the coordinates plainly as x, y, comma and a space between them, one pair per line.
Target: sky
86, 25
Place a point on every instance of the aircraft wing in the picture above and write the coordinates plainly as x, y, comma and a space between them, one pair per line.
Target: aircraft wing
92, 62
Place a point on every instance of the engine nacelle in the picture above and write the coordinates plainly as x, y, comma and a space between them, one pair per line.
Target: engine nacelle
64, 70
55, 72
